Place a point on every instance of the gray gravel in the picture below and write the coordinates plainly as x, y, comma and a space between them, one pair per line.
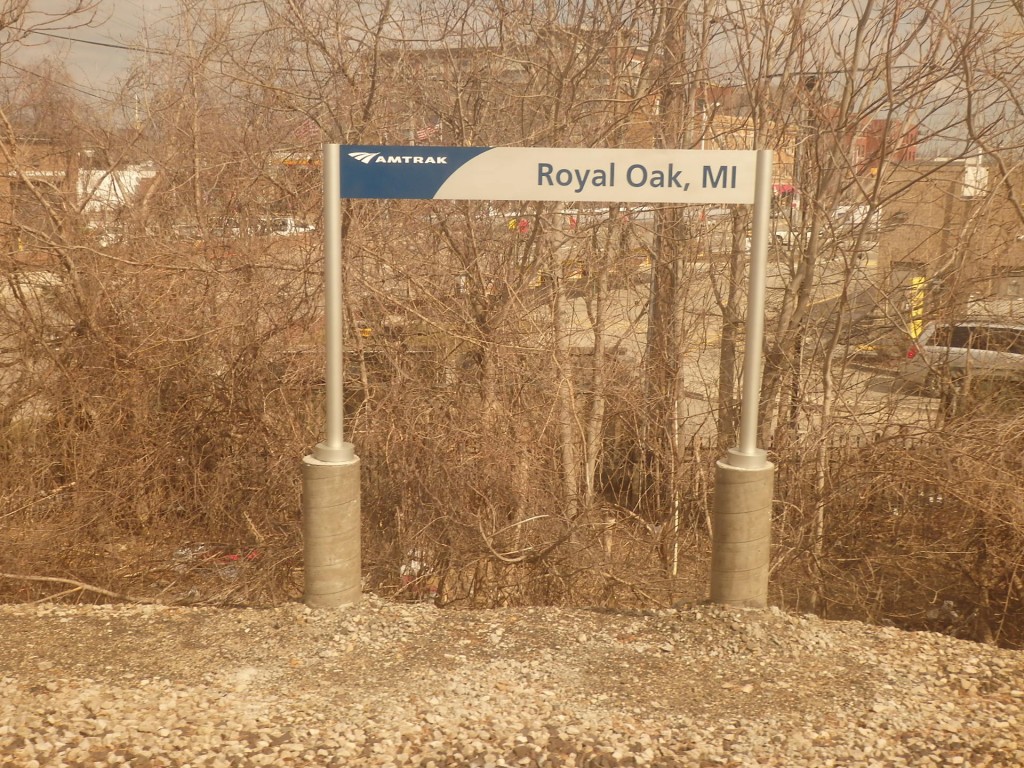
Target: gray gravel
381, 684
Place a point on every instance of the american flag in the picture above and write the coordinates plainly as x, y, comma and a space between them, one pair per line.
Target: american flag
308, 130
430, 131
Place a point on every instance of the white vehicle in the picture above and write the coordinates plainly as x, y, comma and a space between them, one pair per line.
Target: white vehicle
954, 351
285, 225
846, 218
784, 238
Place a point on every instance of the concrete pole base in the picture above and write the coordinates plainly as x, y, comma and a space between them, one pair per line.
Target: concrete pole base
741, 528
330, 532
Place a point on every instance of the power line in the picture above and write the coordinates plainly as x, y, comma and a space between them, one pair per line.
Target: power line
110, 98
118, 46
141, 49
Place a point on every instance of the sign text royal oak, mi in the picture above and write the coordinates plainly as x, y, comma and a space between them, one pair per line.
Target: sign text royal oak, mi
547, 173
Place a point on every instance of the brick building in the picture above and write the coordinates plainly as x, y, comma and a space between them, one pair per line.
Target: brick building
952, 223
33, 177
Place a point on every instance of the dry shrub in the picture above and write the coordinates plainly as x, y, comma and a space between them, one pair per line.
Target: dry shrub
926, 532
173, 411
466, 506
155, 422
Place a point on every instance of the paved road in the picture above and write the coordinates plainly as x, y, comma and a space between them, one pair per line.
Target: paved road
866, 396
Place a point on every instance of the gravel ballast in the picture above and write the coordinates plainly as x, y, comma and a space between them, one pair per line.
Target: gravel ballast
386, 684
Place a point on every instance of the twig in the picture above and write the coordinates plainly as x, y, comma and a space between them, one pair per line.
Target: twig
57, 595
40, 498
637, 590
77, 585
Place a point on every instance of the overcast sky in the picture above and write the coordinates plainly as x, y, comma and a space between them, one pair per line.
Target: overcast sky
95, 54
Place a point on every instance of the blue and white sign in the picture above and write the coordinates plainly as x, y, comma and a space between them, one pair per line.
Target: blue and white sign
541, 173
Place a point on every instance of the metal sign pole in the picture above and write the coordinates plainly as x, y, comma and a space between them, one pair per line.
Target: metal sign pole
745, 479
333, 448
330, 476
755, 311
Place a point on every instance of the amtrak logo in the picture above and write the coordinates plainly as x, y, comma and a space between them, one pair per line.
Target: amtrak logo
366, 158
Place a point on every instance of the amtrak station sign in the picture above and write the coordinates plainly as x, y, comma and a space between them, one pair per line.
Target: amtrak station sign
743, 480
673, 176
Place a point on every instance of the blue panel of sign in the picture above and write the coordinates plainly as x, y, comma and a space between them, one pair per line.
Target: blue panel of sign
405, 173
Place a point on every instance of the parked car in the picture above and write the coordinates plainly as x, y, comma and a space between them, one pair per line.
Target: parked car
782, 238
284, 225
951, 353
849, 217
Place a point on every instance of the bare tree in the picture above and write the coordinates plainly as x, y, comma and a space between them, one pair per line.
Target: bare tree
537, 392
